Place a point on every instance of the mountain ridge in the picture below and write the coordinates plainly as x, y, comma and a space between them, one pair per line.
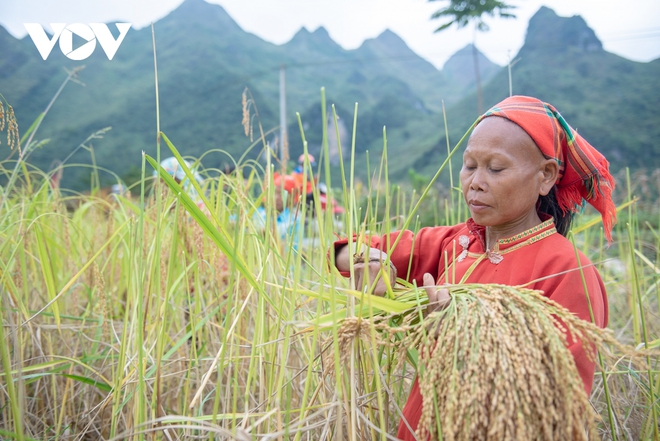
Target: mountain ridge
206, 61
607, 98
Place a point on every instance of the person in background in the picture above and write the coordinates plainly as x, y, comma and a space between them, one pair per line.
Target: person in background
301, 163
286, 193
525, 173
174, 169
328, 202
322, 187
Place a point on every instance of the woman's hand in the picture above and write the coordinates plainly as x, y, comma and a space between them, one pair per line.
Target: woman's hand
439, 297
366, 266
367, 271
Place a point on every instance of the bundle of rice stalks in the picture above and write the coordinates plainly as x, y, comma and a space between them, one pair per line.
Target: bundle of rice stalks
494, 364
500, 369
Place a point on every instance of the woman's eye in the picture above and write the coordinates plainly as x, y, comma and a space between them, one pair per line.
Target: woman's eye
496, 170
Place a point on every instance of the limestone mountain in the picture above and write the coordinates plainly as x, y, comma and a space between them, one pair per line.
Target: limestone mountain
610, 100
459, 69
205, 61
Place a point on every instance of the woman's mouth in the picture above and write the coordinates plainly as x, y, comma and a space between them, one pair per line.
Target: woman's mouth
476, 206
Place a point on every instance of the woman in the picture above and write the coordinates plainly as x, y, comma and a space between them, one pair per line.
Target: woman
525, 172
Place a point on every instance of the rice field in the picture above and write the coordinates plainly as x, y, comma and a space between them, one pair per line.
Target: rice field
152, 315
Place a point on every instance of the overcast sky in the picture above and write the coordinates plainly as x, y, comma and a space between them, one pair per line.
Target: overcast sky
630, 28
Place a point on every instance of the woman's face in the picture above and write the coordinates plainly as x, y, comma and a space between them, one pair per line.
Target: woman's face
503, 175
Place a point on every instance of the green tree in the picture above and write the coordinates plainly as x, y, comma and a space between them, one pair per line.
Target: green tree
463, 12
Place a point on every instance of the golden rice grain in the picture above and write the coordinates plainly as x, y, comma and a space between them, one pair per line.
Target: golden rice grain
13, 138
357, 328
499, 368
246, 113
2, 117
8, 121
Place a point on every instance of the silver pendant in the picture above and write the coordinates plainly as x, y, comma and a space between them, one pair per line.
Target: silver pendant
462, 256
463, 241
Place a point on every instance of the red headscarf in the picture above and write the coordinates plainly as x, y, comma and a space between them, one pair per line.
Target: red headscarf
583, 172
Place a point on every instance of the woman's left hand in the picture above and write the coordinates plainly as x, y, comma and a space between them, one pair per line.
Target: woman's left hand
439, 297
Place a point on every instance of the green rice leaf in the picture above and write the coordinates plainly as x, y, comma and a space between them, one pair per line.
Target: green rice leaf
219, 236
100, 385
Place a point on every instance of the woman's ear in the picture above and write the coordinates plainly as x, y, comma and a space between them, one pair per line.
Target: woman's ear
549, 173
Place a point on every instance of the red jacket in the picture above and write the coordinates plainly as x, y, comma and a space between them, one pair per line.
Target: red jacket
540, 255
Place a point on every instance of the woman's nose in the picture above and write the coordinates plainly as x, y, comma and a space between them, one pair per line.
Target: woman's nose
477, 181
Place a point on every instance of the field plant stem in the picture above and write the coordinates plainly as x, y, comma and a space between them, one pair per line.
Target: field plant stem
387, 229
350, 206
149, 285
352, 377
601, 363
153, 44
14, 401
451, 171
134, 253
283, 319
324, 142
304, 404
379, 387
352, 383
220, 353
329, 215
164, 310
345, 194
631, 246
138, 322
353, 139
640, 304
385, 169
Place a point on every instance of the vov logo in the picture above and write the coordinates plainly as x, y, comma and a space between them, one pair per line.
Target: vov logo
90, 33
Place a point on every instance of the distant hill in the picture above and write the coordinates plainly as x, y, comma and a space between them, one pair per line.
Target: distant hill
610, 100
459, 69
205, 60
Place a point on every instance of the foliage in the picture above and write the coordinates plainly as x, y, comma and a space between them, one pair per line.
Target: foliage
463, 12
136, 315
150, 314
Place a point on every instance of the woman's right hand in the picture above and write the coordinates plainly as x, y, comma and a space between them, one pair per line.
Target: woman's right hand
366, 272
366, 266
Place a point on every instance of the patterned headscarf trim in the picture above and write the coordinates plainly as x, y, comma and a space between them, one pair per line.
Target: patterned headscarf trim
583, 171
